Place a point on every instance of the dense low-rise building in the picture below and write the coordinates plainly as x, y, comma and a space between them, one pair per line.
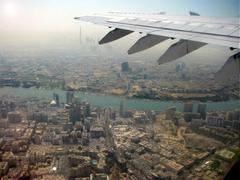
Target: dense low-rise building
10, 158
3, 168
14, 117
97, 132
142, 144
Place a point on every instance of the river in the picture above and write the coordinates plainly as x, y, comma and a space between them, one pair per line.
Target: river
114, 101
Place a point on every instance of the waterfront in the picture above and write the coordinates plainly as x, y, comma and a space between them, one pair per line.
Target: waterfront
113, 101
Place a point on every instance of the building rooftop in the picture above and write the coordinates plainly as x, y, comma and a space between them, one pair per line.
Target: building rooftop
225, 154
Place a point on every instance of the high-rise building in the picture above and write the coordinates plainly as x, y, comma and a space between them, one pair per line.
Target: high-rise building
121, 110
69, 97
235, 115
188, 107
4, 112
170, 113
215, 120
88, 109
56, 99
3, 123
233, 119
202, 108
75, 113
113, 115
236, 125
189, 116
229, 116
12, 106
125, 67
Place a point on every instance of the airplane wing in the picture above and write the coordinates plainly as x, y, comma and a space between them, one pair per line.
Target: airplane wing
230, 71
192, 31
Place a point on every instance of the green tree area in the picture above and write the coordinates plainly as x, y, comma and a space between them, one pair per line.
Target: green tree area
215, 165
237, 157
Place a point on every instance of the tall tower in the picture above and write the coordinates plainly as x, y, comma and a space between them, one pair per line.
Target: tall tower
121, 110
70, 96
56, 98
80, 35
202, 107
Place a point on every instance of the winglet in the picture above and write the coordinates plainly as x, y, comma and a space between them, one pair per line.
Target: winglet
193, 13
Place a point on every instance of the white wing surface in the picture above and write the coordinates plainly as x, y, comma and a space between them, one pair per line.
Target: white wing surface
192, 31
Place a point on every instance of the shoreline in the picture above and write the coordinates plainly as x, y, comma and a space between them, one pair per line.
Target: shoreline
103, 100
180, 100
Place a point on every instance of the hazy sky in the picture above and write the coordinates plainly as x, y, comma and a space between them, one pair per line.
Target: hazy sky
57, 15
50, 23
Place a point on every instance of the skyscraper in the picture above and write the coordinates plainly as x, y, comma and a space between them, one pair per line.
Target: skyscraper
188, 107
56, 99
121, 110
125, 67
69, 97
202, 108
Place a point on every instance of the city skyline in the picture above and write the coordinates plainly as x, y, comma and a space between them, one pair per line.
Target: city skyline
72, 108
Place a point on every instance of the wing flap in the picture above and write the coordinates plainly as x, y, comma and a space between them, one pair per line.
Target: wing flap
146, 42
114, 35
179, 49
230, 72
